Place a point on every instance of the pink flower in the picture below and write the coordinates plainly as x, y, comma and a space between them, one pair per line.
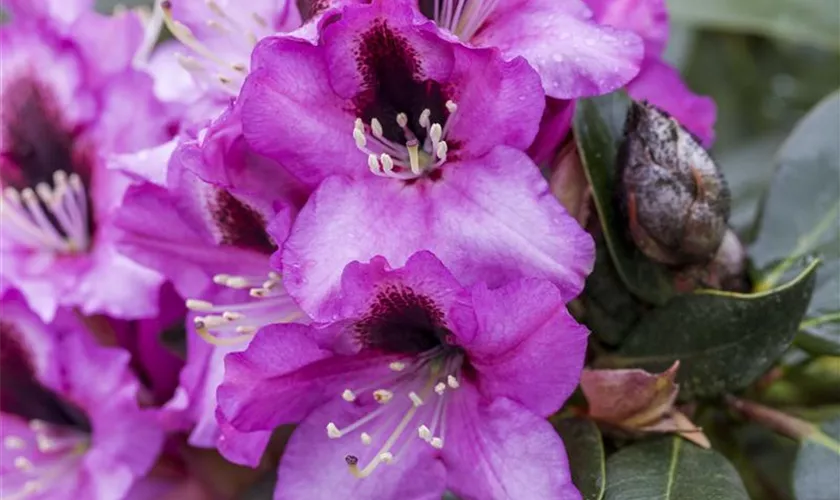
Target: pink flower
419, 383
66, 104
69, 419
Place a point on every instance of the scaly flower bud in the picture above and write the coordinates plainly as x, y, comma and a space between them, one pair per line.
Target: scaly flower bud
673, 197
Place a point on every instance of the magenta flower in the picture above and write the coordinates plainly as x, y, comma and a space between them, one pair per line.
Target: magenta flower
574, 56
215, 249
416, 144
658, 82
66, 104
69, 419
439, 385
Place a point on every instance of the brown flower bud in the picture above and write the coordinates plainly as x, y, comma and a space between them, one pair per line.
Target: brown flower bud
569, 185
674, 199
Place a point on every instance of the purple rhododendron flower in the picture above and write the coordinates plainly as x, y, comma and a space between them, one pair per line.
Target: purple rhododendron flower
574, 56
419, 382
416, 144
215, 248
658, 82
69, 418
65, 106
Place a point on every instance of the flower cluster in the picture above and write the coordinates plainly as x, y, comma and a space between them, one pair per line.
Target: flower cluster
341, 205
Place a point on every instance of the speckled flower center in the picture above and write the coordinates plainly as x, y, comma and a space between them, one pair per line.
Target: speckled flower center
413, 158
44, 204
408, 399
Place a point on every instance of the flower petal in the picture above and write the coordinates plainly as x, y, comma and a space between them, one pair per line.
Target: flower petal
574, 56
646, 18
500, 450
314, 467
490, 219
288, 96
527, 348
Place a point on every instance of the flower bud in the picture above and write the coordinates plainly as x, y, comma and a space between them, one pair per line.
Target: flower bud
569, 185
674, 199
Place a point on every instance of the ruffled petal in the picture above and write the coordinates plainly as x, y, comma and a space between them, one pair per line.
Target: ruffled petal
500, 450
646, 18
527, 346
662, 86
490, 219
574, 56
313, 465
287, 95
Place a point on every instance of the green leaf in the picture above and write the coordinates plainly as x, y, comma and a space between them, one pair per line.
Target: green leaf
815, 22
598, 127
815, 474
671, 469
586, 455
800, 217
723, 340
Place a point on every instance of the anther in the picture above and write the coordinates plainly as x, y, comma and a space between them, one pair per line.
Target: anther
386, 457
376, 128
387, 162
258, 293
442, 149
13, 443
365, 438
415, 399
452, 382
440, 388
246, 330
436, 443
435, 132
359, 137
348, 395
424, 433
232, 316
382, 396
402, 120
373, 164
351, 460
199, 305
424, 118
332, 431
451, 106
221, 279
23, 463
396, 366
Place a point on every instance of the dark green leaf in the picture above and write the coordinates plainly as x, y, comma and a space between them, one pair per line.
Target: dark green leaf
671, 468
815, 22
816, 474
586, 455
610, 310
723, 340
262, 489
598, 127
800, 217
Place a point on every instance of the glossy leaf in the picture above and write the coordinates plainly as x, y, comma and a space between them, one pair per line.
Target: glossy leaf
723, 340
586, 455
815, 474
671, 469
815, 22
598, 128
800, 217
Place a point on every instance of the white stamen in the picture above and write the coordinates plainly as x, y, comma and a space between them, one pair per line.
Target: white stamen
23, 463
13, 443
435, 132
436, 442
232, 316
332, 431
415, 399
376, 128
402, 120
221, 279
199, 305
373, 164
359, 137
382, 396
386, 457
365, 438
424, 118
348, 395
440, 388
387, 162
396, 366
451, 106
452, 382
424, 433
246, 330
